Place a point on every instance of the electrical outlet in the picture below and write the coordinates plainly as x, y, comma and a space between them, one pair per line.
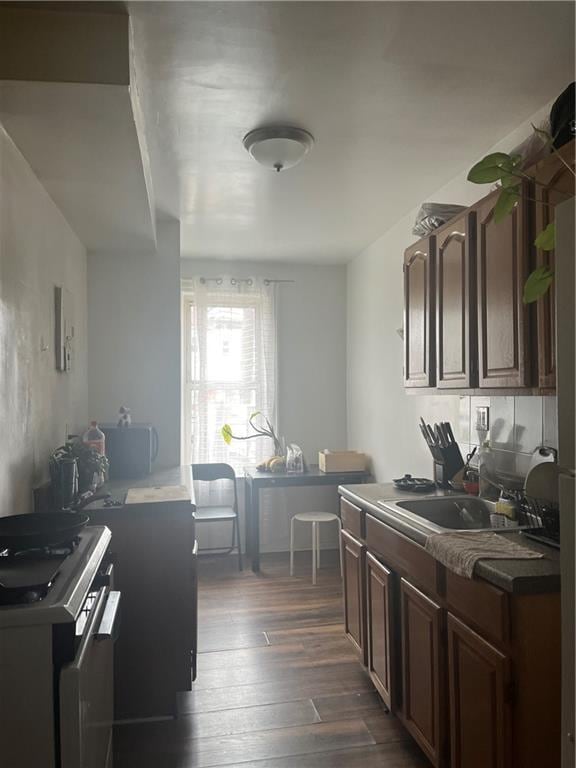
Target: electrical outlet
482, 418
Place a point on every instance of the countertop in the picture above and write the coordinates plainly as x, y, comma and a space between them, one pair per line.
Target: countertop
516, 576
172, 477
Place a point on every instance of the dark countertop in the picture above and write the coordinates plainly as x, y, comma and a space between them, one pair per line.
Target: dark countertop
118, 489
517, 576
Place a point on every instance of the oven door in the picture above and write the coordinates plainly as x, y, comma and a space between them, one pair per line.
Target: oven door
87, 689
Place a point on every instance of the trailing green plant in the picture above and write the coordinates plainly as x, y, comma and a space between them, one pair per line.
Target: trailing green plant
506, 168
260, 430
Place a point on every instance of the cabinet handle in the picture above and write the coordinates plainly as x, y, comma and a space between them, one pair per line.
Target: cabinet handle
459, 236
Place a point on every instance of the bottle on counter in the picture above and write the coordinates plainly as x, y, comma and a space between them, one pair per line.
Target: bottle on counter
95, 438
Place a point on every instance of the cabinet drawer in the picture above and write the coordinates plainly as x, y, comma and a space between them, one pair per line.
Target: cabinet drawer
352, 518
482, 605
401, 554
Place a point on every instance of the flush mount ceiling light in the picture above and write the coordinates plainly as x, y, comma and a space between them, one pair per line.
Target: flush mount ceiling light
278, 147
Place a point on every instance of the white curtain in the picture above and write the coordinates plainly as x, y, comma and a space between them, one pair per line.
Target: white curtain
230, 367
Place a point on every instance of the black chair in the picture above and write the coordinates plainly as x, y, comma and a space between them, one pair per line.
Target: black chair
218, 514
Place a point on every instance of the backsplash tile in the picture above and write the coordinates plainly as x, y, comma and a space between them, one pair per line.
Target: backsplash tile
475, 435
502, 433
550, 421
462, 427
518, 425
527, 424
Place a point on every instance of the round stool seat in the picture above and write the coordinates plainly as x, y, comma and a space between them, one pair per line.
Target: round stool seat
315, 517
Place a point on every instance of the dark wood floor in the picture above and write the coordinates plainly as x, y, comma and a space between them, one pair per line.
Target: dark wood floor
278, 684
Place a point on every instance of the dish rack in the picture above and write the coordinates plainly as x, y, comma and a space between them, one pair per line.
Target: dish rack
543, 517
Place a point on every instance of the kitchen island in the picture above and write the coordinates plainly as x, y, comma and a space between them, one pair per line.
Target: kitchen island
470, 666
153, 543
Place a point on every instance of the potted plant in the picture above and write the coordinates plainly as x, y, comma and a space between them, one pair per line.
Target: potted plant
92, 466
263, 428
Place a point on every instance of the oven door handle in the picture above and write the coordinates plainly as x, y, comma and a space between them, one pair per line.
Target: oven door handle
108, 628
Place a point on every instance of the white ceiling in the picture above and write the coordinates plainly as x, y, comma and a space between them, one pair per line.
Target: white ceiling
399, 96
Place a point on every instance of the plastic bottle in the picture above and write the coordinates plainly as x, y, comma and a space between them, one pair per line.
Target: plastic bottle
486, 472
95, 438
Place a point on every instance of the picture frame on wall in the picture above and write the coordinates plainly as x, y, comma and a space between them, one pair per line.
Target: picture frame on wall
64, 328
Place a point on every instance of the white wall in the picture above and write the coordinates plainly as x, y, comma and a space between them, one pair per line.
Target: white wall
134, 337
38, 405
311, 381
382, 417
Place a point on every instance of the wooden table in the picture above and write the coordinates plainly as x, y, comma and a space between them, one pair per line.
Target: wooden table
255, 481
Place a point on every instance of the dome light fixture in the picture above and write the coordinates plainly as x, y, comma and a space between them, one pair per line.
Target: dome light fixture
278, 146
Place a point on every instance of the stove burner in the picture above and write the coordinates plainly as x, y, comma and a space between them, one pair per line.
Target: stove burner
26, 576
41, 553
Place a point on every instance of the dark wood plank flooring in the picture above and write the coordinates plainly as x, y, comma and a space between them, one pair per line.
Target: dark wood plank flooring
278, 683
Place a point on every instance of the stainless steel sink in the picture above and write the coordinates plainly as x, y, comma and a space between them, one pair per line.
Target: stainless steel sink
463, 513
439, 514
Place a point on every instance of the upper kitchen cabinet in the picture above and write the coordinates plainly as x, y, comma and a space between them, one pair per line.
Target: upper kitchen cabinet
456, 354
503, 255
419, 334
554, 183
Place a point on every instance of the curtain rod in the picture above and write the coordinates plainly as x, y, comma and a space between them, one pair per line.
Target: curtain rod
237, 280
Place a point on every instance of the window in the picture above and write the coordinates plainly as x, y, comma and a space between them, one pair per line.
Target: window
229, 359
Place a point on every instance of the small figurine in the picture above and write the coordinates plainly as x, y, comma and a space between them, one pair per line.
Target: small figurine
124, 418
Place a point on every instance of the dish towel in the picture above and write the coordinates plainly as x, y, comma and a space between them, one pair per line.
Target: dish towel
460, 552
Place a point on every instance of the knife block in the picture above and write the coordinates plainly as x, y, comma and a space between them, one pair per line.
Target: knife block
447, 462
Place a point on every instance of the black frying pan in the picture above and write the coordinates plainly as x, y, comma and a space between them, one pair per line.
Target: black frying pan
40, 529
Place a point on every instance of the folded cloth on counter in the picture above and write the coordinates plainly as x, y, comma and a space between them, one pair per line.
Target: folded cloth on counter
460, 552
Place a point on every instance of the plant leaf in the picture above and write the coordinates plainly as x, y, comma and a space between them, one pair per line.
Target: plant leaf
547, 238
507, 199
226, 433
253, 415
491, 168
537, 284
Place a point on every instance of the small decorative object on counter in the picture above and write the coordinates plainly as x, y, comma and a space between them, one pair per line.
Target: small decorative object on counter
294, 459
124, 417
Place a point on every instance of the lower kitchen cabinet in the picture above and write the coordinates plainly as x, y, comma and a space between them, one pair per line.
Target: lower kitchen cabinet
354, 566
479, 692
422, 670
471, 670
381, 629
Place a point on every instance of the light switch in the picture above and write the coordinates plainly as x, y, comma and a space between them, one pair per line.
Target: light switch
482, 418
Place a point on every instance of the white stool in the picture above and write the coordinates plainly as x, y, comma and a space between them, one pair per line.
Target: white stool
314, 518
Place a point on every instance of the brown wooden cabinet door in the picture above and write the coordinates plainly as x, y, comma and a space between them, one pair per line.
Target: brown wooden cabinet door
419, 337
381, 629
354, 565
555, 183
479, 684
503, 255
422, 671
456, 349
